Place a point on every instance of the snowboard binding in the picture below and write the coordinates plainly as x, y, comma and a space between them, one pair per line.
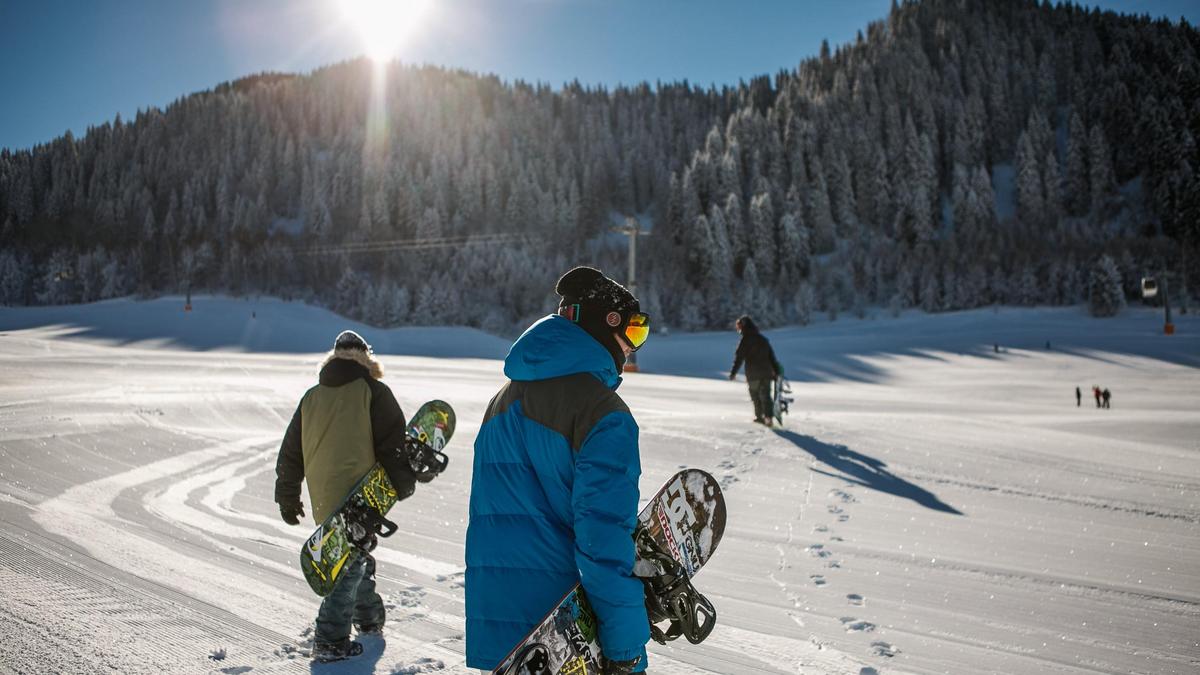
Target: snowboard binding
425, 462
670, 596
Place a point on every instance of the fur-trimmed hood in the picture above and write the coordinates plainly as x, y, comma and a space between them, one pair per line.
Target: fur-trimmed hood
362, 358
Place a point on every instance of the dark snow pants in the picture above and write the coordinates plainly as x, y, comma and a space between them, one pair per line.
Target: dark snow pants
353, 599
760, 394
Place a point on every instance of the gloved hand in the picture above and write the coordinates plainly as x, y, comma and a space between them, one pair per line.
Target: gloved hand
291, 513
733, 376
621, 667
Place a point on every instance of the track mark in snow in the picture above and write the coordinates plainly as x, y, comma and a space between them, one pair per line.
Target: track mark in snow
422, 665
818, 551
881, 648
853, 625
855, 599
454, 579
817, 579
842, 496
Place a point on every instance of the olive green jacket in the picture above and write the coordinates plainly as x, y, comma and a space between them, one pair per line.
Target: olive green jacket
342, 427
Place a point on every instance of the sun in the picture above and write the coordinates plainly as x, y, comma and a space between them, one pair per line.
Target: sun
383, 25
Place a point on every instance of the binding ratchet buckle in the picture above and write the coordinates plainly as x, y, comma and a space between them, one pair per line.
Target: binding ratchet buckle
670, 596
425, 462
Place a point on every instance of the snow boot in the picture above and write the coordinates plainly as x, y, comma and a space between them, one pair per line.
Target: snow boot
324, 653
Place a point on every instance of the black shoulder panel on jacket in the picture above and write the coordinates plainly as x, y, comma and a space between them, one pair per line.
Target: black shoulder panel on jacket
570, 405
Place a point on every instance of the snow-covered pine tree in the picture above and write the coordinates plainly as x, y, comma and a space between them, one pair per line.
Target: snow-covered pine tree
1105, 296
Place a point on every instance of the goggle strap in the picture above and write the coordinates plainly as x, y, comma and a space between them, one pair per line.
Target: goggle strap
570, 312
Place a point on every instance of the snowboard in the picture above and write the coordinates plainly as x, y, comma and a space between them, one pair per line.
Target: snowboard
676, 533
781, 402
350, 529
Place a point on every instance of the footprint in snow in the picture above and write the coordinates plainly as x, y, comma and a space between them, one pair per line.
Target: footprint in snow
842, 496
855, 599
853, 625
843, 518
728, 480
868, 670
237, 670
833, 508
820, 528
423, 665
407, 597
836, 538
881, 648
818, 551
455, 579
817, 579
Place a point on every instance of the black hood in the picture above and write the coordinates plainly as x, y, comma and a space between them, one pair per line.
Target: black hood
338, 372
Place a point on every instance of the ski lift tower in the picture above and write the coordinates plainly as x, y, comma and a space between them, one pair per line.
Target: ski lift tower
1151, 288
633, 230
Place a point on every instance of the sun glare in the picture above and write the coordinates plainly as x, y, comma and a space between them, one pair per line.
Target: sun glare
383, 25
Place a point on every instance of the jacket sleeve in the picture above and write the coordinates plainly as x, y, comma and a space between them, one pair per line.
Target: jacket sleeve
738, 357
289, 467
775, 361
604, 502
389, 429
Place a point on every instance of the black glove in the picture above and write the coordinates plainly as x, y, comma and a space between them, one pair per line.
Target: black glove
621, 667
733, 376
291, 513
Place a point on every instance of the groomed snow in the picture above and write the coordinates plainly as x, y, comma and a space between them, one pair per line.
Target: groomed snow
936, 503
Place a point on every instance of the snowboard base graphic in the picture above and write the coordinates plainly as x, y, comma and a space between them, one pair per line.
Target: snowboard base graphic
340, 540
677, 532
781, 402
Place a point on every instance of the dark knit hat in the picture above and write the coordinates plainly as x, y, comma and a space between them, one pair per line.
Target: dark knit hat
598, 305
348, 339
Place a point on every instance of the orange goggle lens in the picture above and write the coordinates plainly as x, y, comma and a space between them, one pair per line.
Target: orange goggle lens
637, 330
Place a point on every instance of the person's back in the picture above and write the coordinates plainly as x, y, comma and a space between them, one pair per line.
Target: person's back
554, 497
343, 425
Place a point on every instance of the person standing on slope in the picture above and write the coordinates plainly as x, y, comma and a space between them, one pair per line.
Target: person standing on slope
554, 487
343, 425
761, 368
1078, 397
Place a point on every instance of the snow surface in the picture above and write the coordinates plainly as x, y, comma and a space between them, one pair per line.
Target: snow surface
934, 505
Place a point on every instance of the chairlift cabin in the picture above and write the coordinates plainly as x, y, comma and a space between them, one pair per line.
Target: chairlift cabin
1149, 287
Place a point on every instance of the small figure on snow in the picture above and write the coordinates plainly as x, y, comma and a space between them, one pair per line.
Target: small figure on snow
343, 425
1106, 395
554, 490
761, 368
1078, 397
1096, 393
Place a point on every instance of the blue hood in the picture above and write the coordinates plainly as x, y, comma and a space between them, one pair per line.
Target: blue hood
554, 347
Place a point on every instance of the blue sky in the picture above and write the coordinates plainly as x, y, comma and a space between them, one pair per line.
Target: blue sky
67, 65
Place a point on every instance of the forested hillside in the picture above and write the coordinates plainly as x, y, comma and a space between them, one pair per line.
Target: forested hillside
956, 154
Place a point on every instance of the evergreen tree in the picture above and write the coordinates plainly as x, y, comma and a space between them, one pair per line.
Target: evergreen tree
1105, 296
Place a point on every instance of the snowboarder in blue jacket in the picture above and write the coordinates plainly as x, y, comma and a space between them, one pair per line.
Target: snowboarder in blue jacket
554, 488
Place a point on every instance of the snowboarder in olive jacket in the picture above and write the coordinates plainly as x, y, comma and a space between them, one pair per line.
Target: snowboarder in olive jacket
554, 488
343, 425
761, 368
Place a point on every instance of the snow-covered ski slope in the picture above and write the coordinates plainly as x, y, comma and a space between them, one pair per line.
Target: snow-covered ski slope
933, 505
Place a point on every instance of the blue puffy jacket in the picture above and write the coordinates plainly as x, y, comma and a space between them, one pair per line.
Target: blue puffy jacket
554, 498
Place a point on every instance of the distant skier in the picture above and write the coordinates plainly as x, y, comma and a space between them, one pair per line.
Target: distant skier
761, 368
1096, 393
343, 425
1078, 397
1106, 395
554, 488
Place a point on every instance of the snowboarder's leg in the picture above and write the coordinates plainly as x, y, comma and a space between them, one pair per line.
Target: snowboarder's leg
332, 638
760, 394
369, 614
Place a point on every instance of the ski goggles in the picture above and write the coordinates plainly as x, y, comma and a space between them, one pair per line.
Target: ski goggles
637, 330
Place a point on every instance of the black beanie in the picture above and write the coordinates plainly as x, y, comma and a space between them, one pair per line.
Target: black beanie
604, 306
348, 339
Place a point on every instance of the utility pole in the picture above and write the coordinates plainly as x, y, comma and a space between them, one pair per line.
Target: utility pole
632, 230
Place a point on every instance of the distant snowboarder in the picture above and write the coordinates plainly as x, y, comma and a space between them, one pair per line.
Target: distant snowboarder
761, 368
1078, 397
342, 426
1106, 395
